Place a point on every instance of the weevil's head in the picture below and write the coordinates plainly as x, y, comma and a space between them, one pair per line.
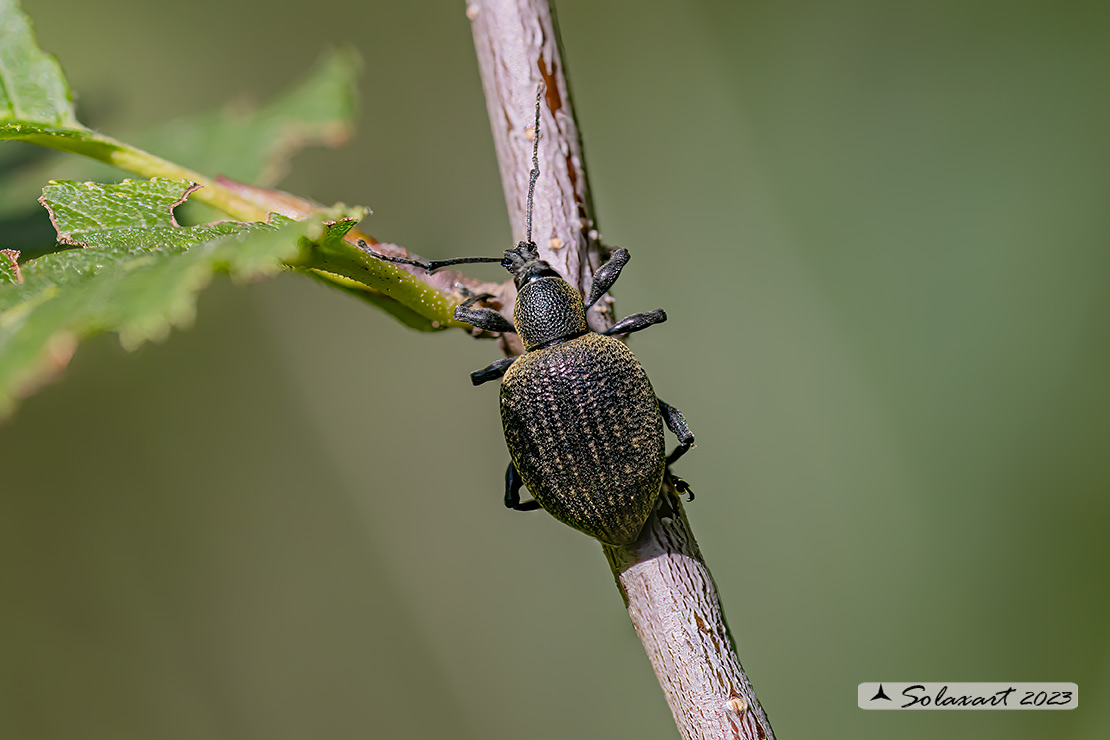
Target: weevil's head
548, 309
524, 262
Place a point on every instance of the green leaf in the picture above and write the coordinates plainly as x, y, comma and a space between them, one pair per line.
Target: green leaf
253, 145
132, 222
32, 87
35, 100
89, 214
248, 144
91, 208
9, 267
139, 276
35, 107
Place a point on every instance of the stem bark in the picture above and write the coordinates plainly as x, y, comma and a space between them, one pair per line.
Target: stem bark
666, 585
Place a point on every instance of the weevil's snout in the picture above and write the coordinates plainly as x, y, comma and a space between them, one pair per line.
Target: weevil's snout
519, 256
524, 262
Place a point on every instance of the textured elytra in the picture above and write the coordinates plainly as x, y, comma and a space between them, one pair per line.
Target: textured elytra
548, 309
583, 428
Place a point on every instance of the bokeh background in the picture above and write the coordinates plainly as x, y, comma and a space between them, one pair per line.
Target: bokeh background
881, 233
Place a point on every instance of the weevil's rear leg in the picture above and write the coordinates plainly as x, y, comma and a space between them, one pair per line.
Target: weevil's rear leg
676, 422
512, 492
483, 318
636, 322
493, 371
607, 274
681, 486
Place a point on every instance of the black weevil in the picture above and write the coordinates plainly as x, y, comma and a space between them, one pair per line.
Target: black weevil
582, 423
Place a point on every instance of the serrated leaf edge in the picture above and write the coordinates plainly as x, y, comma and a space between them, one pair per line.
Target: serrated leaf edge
67, 237
12, 257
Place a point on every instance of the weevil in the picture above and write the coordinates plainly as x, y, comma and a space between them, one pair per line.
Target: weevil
582, 423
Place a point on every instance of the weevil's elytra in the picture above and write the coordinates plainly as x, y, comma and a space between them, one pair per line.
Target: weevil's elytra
582, 423
583, 428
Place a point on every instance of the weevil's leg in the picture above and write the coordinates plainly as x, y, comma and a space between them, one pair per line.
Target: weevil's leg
470, 296
636, 322
483, 318
681, 486
512, 492
493, 371
676, 422
678, 452
607, 274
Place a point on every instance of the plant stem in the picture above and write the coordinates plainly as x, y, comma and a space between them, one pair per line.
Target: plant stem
126, 157
421, 301
665, 582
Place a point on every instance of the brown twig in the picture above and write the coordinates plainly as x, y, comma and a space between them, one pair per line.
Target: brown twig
666, 584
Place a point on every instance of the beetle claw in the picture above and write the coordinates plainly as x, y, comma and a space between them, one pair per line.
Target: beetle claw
470, 297
682, 487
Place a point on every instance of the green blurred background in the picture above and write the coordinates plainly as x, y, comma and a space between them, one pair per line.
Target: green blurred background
880, 231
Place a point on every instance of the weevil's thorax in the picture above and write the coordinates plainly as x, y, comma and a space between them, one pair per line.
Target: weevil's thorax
548, 310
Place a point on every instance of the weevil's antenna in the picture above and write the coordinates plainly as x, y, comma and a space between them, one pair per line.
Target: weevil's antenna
508, 261
430, 266
535, 173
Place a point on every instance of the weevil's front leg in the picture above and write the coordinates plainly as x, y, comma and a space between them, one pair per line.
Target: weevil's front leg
483, 318
607, 274
636, 322
493, 371
512, 492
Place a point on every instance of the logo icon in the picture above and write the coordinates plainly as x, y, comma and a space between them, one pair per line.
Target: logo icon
880, 694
